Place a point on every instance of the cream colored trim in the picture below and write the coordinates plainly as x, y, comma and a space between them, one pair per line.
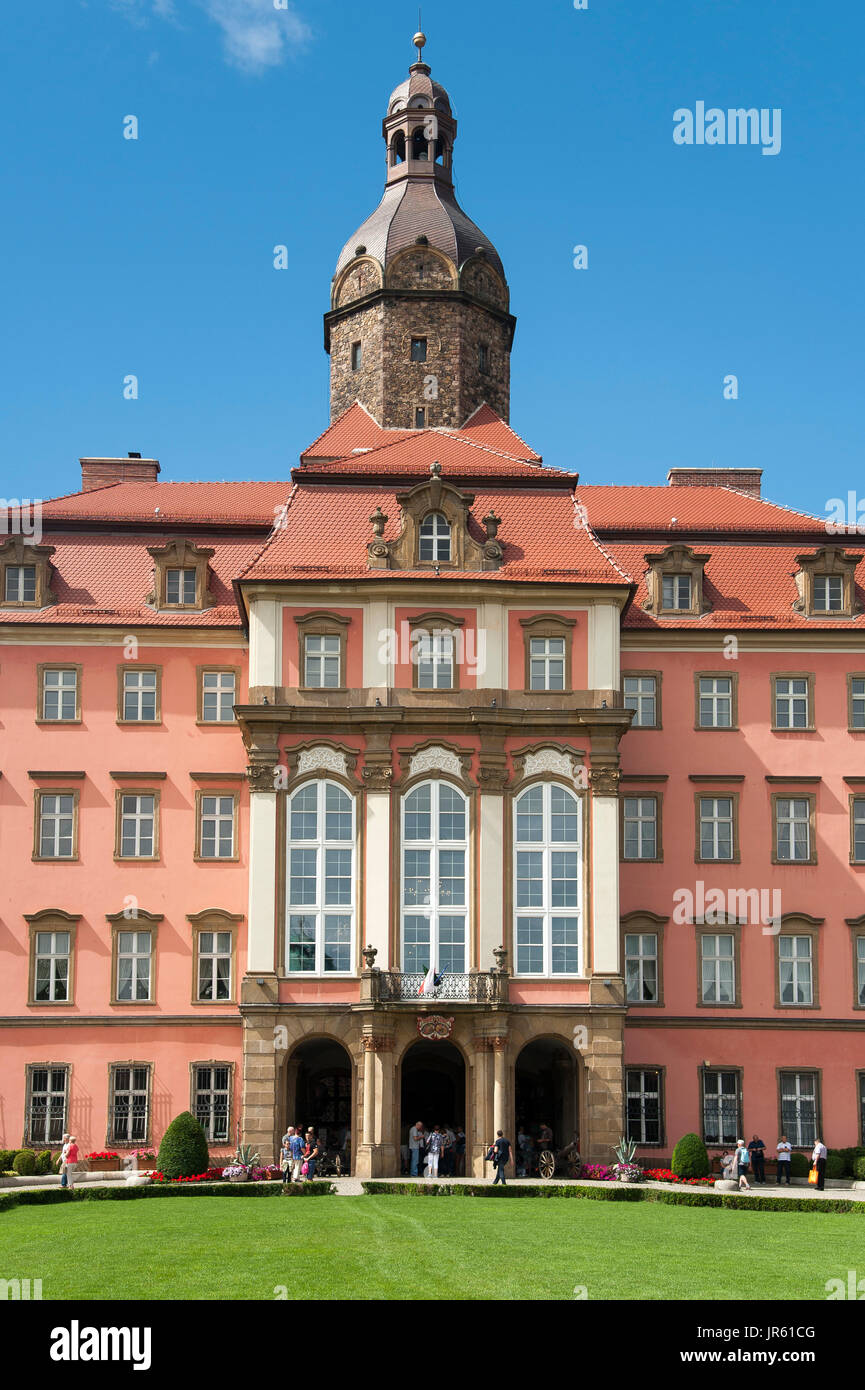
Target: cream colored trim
262, 882
492, 902
606, 941
265, 654
377, 876
377, 618
604, 655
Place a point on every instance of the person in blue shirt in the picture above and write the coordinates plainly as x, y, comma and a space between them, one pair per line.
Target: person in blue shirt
756, 1149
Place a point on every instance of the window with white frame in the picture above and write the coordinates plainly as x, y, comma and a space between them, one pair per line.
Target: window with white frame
180, 587
641, 695
716, 702
793, 828
718, 967
218, 694
547, 884
137, 825
134, 966
640, 819
643, 1102
799, 1107
57, 825
796, 970
716, 827
857, 811
51, 974
676, 591
791, 702
434, 537
321, 657
47, 1101
857, 702
828, 593
60, 694
216, 831
214, 966
641, 967
211, 1101
139, 696
321, 879
433, 654
547, 663
860, 969
130, 1092
20, 584
720, 1107
434, 891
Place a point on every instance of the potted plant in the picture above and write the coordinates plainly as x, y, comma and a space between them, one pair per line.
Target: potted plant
244, 1161
104, 1161
625, 1169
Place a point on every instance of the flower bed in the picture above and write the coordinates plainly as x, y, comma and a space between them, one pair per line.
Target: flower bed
666, 1175
257, 1174
598, 1172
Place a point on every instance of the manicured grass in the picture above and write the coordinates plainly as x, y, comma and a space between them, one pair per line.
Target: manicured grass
402, 1248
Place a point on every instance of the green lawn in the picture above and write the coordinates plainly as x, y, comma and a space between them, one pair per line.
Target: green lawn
407, 1248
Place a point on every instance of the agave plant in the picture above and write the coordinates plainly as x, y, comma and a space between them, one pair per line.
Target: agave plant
246, 1156
625, 1168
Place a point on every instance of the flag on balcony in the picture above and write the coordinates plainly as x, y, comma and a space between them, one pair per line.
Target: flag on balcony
431, 982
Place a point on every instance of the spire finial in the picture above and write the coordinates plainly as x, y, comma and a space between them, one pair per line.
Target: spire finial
419, 40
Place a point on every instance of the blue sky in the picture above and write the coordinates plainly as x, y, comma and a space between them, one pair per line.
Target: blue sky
259, 127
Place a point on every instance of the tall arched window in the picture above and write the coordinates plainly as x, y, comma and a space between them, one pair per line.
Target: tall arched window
547, 881
435, 537
434, 895
320, 897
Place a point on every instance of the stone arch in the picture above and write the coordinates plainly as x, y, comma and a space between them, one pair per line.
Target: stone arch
549, 1085
362, 276
440, 271
319, 1078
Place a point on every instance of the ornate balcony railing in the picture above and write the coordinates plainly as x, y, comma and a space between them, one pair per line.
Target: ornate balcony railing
472, 987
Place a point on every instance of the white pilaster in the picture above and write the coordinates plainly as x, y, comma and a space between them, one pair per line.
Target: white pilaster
377, 876
262, 882
604, 633
491, 647
376, 622
265, 642
605, 884
491, 879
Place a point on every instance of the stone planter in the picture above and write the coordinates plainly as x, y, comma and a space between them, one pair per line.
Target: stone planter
239, 1177
628, 1177
103, 1165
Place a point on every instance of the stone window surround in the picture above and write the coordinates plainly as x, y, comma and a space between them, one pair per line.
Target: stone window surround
702, 1071
138, 666
321, 623
550, 624
214, 1062
111, 1143
435, 495
142, 921
817, 1073
715, 794
727, 927
794, 795
658, 797
180, 554
644, 923
851, 728
211, 670
51, 919
14, 552
29, 1069
827, 561
676, 558
810, 677
119, 794
75, 793
857, 933
214, 919
661, 1072
41, 668
733, 678
216, 790
658, 677
799, 924
435, 621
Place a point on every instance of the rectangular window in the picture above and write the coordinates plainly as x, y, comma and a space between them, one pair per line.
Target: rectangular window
218, 694
641, 967
857, 812
134, 957
20, 584
46, 1117
641, 695
60, 694
210, 1101
640, 815
718, 968
799, 1107
56, 825
434, 657
483, 357
51, 974
857, 702
321, 656
419, 417
140, 696
720, 1107
418, 349
716, 827
828, 593
793, 829
214, 966
676, 591
860, 970
643, 1100
792, 702
356, 357
180, 587
795, 970
547, 663
715, 702
137, 826
216, 827
547, 890
129, 1104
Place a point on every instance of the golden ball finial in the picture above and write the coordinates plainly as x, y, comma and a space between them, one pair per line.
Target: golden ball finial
419, 42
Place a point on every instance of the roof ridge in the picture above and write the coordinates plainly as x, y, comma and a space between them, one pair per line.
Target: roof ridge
767, 501
582, 516
278, 525
101, 487
508, 426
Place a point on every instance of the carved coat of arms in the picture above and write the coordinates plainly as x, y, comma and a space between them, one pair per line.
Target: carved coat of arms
434, 1027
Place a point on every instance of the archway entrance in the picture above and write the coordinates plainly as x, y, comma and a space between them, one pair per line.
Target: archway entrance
545, 1090
432, 1087
319, 1091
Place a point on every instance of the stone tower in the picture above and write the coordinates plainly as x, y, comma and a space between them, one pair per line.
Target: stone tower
419, 329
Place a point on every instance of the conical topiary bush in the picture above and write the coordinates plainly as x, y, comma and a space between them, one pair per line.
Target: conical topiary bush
183, 1151
690, 1159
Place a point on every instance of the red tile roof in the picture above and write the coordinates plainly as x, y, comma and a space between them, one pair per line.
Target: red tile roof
615, 509
223, 504
355, 434
461, 455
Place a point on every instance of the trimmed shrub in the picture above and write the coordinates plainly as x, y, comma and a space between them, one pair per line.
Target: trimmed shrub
849, 1157
859, 1169
623, 1192
24, 1163
799, 1165
836, 1166
183, 1151
7, 1158
119, 1192
43, 1162
690, 1159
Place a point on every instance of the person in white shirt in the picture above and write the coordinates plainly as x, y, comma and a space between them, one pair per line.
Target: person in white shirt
416, 1145
784, 1149
818, 1159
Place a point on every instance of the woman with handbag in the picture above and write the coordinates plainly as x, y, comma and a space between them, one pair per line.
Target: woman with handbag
818, 1165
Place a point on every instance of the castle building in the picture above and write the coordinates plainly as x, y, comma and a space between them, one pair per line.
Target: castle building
430, 782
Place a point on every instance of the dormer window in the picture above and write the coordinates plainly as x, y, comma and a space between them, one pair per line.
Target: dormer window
25, 574
179, 588
21, 584
828, 593
180, 576
676, 591
675, 583
435, 538
826, 581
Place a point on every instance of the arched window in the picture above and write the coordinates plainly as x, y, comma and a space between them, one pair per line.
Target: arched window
320, 897
547, 881
434, 852
435, 537
397, 148
419, 143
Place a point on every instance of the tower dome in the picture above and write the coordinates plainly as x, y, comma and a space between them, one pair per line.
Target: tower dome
419, 328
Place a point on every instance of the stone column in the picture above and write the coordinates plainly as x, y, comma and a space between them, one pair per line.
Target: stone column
492, 779
499, 1047
604, 1075
260, 1080
479, 1138
386, 1156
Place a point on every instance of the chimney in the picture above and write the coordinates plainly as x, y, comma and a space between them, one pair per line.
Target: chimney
132, 469
742, 479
